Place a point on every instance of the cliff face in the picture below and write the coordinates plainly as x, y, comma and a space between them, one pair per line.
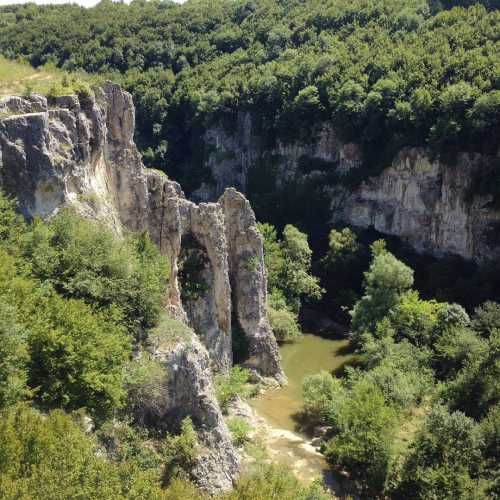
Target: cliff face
425, 202
80, 152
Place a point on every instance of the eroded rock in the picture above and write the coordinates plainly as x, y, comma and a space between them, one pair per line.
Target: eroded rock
81, 153
428, 203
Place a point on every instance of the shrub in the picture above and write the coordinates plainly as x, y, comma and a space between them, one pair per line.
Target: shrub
444, 458
322, 395
180, 452
476, 386
146, 384
84, 260
365, 433
385, 283
229, 386
240, 430
486, 318
284, 324
51, 455
13, 356
270, 482
77, 356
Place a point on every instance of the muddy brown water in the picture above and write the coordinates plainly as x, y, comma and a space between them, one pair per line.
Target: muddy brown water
308, 355
280, 408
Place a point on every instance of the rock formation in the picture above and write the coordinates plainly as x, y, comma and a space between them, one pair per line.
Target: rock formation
423, 201
79, 152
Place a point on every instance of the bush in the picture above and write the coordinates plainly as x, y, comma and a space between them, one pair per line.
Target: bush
271, 482
284, 324
84, 260
180, 452
322, 394
146, 384
486, 318
365, 432
240, 430
231, 385
385, 283
13, 356
444, 458
476, 387
288, 266
51, 455
490, 429
77, 356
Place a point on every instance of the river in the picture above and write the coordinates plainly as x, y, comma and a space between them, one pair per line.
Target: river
308, 355
279, 408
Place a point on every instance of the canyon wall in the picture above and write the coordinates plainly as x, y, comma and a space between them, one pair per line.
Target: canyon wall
79, 152
424, 201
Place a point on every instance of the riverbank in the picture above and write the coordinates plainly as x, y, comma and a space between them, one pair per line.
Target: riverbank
274, 415
306, 356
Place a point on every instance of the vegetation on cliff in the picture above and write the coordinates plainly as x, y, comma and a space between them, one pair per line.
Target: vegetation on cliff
75, 301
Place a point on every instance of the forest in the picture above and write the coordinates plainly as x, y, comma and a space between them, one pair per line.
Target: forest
415, 414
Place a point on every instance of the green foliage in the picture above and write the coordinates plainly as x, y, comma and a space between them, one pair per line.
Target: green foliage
73, 291
365, 432
271, 482
322, 393
477, 385
289, 278
444, 458
486, 318
180, 452
385, 283
77, 356
415, 319
296, 270
453, 349
490, 430
284, 324
52, 456
229, 386
127, 444
288, 265
146, 385
84, 260
240, 430
13, 356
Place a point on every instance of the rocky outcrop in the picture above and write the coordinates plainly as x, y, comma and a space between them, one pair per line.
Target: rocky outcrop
423, 201
248, 281
191, 394
79, 152
426, 203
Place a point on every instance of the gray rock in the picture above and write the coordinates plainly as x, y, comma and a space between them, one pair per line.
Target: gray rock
191, 393
81, 153
425, 202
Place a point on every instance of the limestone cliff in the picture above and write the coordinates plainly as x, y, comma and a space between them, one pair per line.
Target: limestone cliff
80, 152
425, 202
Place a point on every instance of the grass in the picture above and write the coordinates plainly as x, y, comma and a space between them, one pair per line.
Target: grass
18, 78
169, 331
